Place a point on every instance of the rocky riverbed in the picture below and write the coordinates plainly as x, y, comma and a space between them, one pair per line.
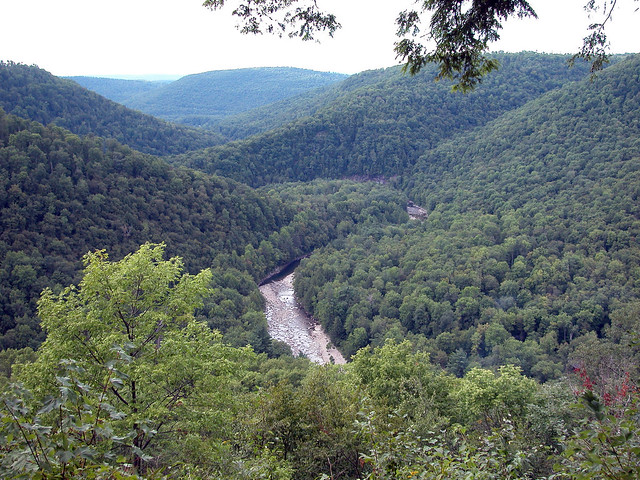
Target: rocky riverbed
290, 324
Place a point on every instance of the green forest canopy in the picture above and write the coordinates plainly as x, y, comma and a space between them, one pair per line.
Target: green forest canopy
526, 264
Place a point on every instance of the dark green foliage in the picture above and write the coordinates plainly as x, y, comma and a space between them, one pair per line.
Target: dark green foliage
381, 127
456, 39
529, 245
279, 17
326, 211
62, 195
34, 94
461, 33
9, 357
65, 194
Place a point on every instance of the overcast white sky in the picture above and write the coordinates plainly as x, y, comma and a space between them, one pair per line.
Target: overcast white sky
179, 37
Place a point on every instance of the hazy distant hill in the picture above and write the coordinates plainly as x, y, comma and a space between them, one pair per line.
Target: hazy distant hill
380, 122
204, 98
35, 94
116, 89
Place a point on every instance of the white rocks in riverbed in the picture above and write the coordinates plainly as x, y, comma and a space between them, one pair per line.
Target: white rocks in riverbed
290, 324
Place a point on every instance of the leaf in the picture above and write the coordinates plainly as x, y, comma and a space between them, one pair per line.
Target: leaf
86, 452
64, 456
141, 454
117, 382
51, 403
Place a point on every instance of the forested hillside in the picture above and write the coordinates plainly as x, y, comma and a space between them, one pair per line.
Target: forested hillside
203, 99
530, 247
63, 196
32, 93
496, 337
283, 112
384, 125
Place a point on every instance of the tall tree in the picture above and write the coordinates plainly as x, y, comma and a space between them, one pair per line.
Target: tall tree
135, 315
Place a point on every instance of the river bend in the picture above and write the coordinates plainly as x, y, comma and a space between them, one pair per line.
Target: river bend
289, 323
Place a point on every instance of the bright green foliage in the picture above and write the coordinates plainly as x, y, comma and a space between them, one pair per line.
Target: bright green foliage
492, 398
307, 427
68, 435
140, 310
394, 373
453, 454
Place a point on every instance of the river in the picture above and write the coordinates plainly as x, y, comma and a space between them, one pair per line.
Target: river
289, 323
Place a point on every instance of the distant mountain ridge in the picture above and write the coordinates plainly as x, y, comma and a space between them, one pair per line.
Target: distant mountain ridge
275, 115
117, 89
32, 93
203, 99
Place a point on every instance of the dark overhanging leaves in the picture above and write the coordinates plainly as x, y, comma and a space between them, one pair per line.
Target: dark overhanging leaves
278, 16
459, 30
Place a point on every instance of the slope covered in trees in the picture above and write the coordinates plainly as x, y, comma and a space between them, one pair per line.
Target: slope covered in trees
63, 195
530, 247
283, 112
384, 125
203, 99
526, 264
143, 368
32, 93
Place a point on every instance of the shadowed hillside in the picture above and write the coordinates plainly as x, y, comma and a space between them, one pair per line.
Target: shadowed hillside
530, 247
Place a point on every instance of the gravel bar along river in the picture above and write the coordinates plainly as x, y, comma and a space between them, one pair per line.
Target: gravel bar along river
289, 323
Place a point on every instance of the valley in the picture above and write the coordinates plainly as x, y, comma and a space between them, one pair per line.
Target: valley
471, 313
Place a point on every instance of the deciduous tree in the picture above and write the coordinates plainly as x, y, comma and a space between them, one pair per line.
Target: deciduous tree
136, 314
